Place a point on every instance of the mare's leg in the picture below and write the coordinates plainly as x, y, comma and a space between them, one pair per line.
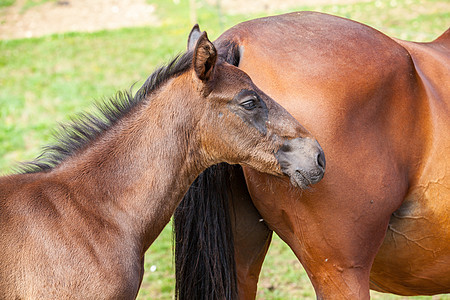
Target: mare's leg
251, 238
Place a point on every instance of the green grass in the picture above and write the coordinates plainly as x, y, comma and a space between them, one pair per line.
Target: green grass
46, 80
5, 3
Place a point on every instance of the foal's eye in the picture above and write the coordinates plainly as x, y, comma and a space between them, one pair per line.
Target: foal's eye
249, 104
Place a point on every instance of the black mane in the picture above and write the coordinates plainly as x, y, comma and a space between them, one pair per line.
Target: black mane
87, 127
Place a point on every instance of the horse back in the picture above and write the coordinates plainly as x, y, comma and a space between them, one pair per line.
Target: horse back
16, 208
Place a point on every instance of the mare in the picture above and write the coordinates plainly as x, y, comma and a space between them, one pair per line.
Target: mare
77, 222
380, 107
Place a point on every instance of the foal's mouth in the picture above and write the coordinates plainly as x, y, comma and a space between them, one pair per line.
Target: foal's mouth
299, 179
303, 179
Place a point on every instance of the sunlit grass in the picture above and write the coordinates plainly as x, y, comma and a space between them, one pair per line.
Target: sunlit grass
46, 80
5, 3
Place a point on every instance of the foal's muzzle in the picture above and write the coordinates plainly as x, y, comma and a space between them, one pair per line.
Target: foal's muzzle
303, 160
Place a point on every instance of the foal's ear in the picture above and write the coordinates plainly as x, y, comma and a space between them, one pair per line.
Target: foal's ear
205, 56
193, 37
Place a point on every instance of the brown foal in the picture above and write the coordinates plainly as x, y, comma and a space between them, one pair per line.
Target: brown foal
77, 222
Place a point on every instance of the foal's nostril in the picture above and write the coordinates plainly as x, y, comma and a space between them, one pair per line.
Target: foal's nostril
321, 160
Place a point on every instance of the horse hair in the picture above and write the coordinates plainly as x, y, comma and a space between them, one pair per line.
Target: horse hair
229, 51
204, 249
85, 128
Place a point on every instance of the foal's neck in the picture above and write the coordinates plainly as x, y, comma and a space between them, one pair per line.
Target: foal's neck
139, 170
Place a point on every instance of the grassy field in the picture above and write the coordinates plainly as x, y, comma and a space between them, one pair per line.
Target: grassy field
44, 81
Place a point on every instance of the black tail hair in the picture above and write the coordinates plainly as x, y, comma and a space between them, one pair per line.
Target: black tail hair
204, 251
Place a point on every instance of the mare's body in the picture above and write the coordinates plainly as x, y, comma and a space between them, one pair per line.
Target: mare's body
380, 108
76, 225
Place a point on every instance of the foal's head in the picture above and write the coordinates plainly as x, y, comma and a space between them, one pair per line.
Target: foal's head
240, 124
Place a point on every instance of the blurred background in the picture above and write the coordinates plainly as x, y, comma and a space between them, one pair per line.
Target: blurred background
57, 57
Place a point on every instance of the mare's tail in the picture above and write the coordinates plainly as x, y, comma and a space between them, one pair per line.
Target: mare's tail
204, 252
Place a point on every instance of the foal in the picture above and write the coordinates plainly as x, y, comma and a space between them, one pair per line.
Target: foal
77, 223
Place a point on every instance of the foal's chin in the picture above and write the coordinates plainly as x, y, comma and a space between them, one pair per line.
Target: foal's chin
303, 180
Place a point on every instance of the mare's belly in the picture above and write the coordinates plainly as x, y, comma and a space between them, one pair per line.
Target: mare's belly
415, 256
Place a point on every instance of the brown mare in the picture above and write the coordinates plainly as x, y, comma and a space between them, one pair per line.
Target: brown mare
77, 223
379, 106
